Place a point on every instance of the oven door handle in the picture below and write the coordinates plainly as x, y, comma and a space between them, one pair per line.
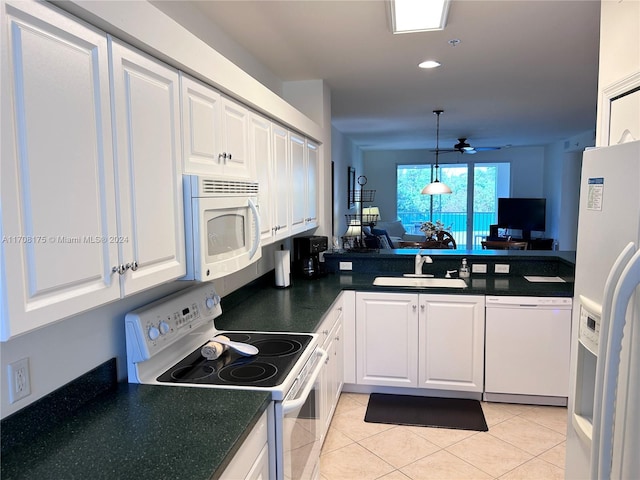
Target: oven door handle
290, 405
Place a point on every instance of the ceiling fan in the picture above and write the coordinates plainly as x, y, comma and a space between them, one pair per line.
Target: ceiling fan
463, 147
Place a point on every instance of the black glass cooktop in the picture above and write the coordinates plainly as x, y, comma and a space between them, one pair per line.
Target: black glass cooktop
277, 353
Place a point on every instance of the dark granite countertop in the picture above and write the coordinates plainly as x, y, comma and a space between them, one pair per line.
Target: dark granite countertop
142, 432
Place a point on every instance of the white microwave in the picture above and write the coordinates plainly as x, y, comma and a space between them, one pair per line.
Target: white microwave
222, 226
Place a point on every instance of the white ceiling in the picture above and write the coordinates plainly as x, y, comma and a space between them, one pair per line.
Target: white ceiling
524, 72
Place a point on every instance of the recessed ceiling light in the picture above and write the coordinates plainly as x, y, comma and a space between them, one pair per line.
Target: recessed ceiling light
418, 15
429, 64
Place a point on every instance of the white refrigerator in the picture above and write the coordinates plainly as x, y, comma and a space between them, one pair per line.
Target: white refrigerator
603, 437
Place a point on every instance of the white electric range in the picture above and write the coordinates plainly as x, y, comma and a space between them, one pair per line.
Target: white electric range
164, 342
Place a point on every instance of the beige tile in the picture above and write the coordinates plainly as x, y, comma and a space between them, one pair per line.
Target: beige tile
361, 398
399, 446
495, 413
334, 440
443, 465
353, 462
443, 437
527, 435
490, 454
352, 424
556, 455
351, 401
535, 469
395, 475
554, 418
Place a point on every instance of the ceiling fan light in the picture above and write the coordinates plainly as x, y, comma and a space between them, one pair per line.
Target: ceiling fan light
436, 188
429, 64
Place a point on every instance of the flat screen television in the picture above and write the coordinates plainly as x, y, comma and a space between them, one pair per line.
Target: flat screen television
526, 214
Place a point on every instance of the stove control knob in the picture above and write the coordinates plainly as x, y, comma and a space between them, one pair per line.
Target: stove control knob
164, 328
153, 332
211, 302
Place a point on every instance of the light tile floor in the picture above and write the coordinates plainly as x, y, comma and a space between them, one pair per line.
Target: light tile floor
523, 442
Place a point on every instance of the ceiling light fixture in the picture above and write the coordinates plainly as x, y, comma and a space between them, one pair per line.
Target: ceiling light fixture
429, 64
409, 16
436, 187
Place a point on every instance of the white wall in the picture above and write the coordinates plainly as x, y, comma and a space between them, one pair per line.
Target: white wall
344, 154
619, 55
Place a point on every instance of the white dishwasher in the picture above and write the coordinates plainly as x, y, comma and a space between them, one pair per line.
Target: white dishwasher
527, 349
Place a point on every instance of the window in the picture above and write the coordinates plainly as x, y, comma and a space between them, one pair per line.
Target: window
468, 211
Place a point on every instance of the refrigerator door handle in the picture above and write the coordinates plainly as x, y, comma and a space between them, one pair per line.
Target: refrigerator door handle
605, 327
629, 280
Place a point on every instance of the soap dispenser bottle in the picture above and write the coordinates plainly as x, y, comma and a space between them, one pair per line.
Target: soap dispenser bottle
464, 269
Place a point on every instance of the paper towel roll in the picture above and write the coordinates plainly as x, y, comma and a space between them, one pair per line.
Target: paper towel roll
283, 268
212, 350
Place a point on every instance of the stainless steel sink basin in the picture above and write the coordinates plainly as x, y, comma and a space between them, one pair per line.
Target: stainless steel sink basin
419, 282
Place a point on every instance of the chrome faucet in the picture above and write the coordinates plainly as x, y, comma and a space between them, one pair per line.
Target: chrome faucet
419, 261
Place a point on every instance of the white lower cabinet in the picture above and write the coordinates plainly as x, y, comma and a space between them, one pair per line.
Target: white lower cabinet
251, 461
420, 340
331, 378
451, 339
387, 339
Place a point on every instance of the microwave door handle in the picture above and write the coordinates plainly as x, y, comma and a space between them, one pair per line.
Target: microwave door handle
256, 233
290, 405
629, 280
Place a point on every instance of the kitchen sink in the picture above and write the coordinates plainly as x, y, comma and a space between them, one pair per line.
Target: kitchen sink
420, 282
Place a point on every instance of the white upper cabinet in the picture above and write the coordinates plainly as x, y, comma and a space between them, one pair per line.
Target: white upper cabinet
215, 132
59, 239
298, 182
312, 184
235, 140
304, 183
149, 169
202, 127
269, 152
281, 182
260, 154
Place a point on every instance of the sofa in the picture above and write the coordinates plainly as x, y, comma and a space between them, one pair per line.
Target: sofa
395, 233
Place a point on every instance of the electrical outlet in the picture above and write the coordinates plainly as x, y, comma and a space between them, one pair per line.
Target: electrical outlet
346, 266
19, 380
479, 268
501, 268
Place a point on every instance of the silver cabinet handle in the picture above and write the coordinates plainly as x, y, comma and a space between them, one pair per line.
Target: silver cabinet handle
120, 269
414, 307
134, 266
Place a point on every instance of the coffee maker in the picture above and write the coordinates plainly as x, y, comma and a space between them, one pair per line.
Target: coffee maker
306, 255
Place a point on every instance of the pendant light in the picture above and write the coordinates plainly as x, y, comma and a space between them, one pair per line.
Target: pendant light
436, 187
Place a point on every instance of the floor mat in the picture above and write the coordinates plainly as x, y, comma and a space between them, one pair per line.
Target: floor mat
457, 413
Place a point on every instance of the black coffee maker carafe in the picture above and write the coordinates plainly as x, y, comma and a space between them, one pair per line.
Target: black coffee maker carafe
306, 255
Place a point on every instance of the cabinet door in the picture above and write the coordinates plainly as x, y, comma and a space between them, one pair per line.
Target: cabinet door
451, 337
58, 198
298, 182
260, 153
386, 332
235, 143
201, 127
149, 183
312, 184
281, 177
